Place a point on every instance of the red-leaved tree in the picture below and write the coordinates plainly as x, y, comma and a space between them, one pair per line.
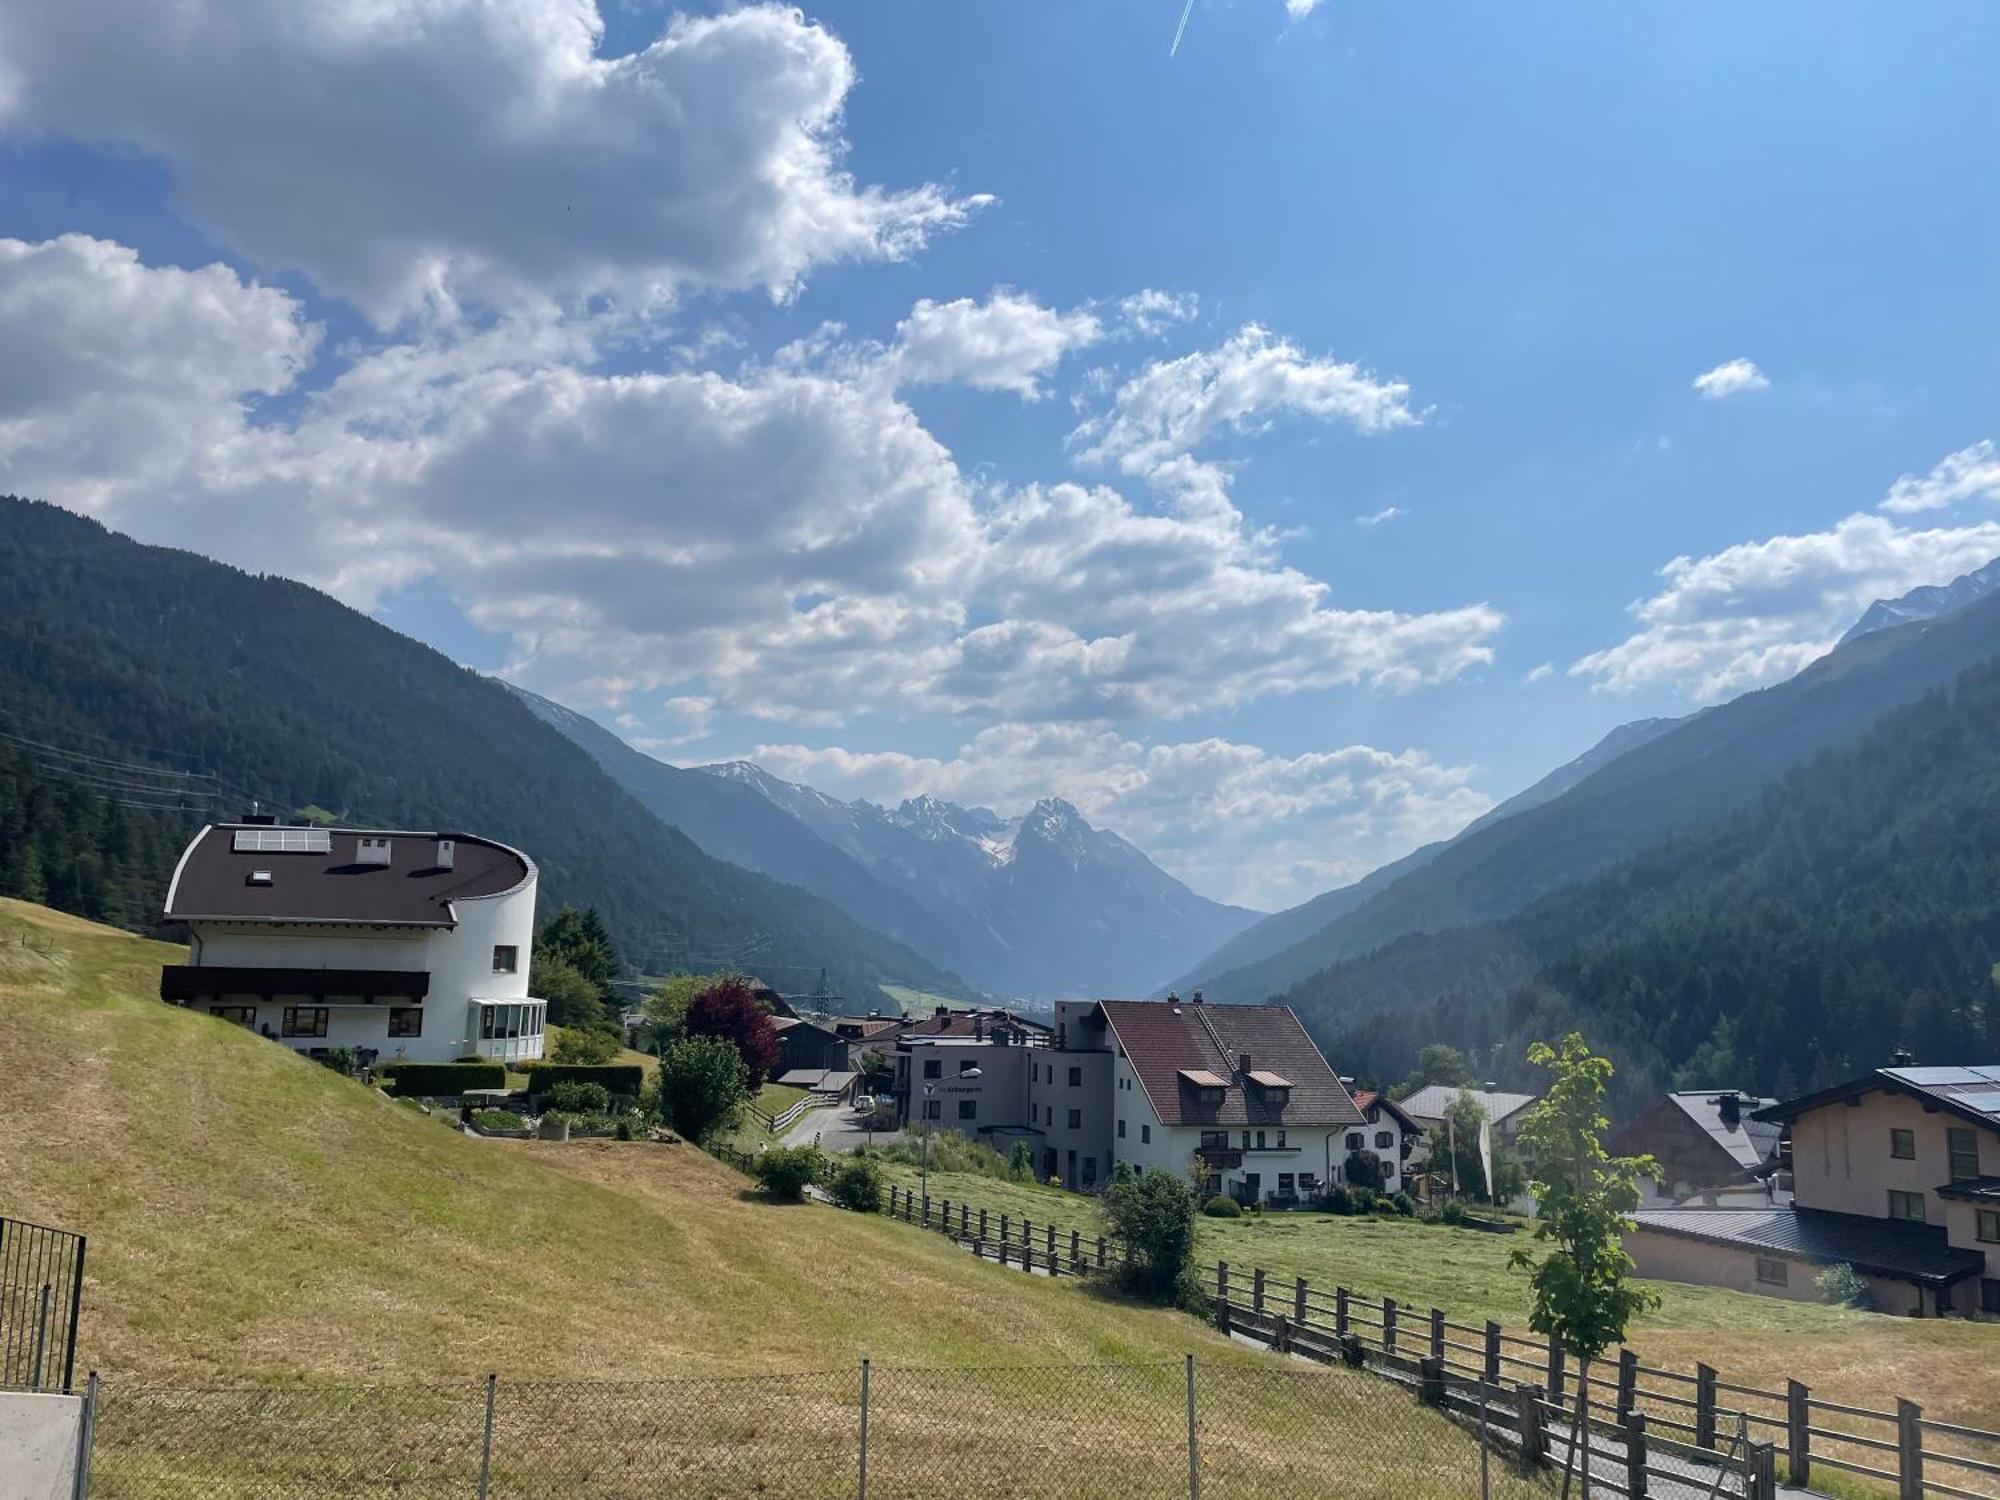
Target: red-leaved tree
729, 1009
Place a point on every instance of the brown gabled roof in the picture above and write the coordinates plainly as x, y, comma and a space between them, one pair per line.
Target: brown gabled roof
1369, 1100
1165, 1039
213, 880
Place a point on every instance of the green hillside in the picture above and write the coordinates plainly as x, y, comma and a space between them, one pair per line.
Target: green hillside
1853, 908
153, 658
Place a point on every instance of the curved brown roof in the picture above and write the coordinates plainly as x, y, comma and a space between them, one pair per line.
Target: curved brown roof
213, 881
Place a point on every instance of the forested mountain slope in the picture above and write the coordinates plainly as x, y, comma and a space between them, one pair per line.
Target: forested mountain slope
1700, 769
1851, 908
288, 695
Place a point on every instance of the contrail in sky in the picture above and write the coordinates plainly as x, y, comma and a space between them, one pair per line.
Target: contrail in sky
1181, 30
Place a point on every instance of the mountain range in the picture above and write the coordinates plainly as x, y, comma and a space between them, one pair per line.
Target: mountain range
1042, 905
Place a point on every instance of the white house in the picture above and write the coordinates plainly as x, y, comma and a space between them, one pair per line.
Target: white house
1237, 1093
407, 945
1391, 1132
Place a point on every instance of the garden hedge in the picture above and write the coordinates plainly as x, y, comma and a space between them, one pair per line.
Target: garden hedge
428, 1080
624, 1079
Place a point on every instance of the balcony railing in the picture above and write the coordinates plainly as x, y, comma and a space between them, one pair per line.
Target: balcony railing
1220, 1158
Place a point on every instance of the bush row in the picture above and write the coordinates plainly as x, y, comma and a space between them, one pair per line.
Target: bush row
422, 1080
616, 1079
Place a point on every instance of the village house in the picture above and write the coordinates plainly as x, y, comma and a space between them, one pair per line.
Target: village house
1896, 1173
1237, 1093
1709, 1146
1391, 1132
399, 945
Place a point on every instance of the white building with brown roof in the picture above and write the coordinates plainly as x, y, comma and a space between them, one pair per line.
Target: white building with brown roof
411, 946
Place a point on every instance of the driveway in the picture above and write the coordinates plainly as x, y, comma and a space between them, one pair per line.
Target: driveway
835, 1128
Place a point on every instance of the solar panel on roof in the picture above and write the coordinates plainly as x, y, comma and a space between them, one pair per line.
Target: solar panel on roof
1987, 1102
281, 841
1938, 1075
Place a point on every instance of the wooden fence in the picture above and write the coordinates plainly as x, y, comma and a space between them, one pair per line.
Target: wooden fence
1630, 1404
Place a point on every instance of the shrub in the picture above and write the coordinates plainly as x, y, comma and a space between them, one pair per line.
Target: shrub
619, 1079
339, 1059
1845, 1286
785, 1172
571, 1096
1335, 1200
1021, 1162
1404, 1205
1222, 1206
424, 1080
1153, 1219
1452, 1213
1364, 1170
703, 1085
858, 1185
729, 1009
498, 1119
624, 1131
1364, 1198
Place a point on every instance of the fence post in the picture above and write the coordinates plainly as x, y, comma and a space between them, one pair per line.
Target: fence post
1222, 1281
1492, 1353
894, 1193
1299, 1303
1555, 1370
1194, 1458
1100, 1252
75, 1307
1052, 1251
1281, 1334
1628, 1381
1704, 1406
486, 1439
1003, 1252
1340, 1312
944, 1223
1798, 1434
861, 1477
1431, 1377
1437, 1334
982, 1223
1003, 1229
1767, 1472
1076, 1250
1257, 1291
86, 1430
964, 1220
1635, 1456
1534, 1441
1909, 1450
1388, 1325
41, 1335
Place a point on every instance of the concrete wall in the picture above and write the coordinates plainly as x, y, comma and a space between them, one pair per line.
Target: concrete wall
1672, 1257
1841, 1160
38, 1442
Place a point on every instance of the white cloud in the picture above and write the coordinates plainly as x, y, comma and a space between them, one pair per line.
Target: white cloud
1299, 9
1006, 343
1970, 474
1546, 670
1234, 821
1376, 518
411, 153
1730, 379
1173, 406
1151, 313
1755, 613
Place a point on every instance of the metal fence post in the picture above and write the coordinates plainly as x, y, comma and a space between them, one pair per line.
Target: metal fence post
486, 1439
1704, 1406
41, 1336
75, 1307
1194, 1456
1909, 1450
1635, 1456
1798, 1432
1485, 1450
86, 1431
1492, 1354
861, 1477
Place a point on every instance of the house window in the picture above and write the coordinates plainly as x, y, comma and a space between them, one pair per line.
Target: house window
1904, 1205
406, 1020
1772, 1272
1246, 1140
968, 1109
506, 958
1285, 1181
1281, 1140
1963, 1146
1989, 1294
1260, 1140
1356, 1140
242, 1015
1988, 1222
305, 1020
1076, 1119
1214, 1140
1903, 1145
933, 1068
934, 1109
1076, 1078
966, 1065
1383, 1140
1121, 1130
1145, 1135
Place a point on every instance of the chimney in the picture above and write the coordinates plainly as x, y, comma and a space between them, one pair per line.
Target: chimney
979, 1028
1731, 1105
445, 854
1197, 998
1901, 1058
1242, 1062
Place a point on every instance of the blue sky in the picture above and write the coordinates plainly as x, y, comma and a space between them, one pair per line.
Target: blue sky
1371, 507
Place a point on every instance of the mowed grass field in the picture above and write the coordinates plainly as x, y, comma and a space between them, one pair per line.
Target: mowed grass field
1864, 1359
255, 1219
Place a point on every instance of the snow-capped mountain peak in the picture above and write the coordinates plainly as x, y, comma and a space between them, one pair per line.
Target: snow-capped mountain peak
1927, 603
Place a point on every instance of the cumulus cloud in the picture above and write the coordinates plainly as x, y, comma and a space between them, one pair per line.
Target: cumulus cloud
1756, 612
1173, 406
1234, 821
411, 153
1006, 343
1151, 313
1969, 474
1733, 378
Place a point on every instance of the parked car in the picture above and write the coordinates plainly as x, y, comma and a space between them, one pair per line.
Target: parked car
864, 1104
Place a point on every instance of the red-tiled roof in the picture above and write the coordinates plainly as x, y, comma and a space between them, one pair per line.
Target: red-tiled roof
1164, 1040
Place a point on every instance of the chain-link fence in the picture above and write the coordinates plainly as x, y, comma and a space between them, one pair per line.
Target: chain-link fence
1073, 1432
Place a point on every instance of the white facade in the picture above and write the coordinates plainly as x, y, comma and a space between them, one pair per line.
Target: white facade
475, 1001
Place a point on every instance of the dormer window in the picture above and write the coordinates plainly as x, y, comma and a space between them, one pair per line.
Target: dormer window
371, 851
